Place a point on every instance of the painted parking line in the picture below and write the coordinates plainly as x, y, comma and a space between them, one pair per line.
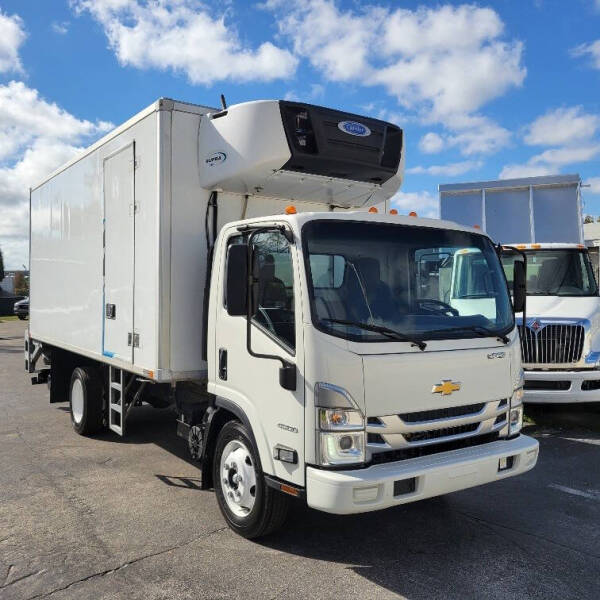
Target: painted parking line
592, 494
591, 441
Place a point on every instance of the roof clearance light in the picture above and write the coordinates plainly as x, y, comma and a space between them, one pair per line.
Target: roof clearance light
521, 246
290, 210
476, 227
393, 211
373, 210
412, 213
536, 246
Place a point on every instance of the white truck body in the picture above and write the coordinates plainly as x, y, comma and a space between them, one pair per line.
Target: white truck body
542, 217
122, 240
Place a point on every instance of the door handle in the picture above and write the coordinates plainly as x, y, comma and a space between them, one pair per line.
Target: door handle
223, 364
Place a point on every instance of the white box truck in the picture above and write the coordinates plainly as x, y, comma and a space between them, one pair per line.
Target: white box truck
208, 259
542, 217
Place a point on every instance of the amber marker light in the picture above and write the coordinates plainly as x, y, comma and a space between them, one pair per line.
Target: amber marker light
393, 211
290, 210
373, 210
412, 213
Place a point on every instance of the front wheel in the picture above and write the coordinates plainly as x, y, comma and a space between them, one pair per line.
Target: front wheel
250, 507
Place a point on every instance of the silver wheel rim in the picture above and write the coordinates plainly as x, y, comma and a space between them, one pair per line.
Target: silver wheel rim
238, 478
77, 401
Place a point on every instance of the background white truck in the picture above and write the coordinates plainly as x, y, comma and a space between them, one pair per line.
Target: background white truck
542, 217
301, 346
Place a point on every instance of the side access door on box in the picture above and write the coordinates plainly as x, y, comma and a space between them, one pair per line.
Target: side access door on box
119, 254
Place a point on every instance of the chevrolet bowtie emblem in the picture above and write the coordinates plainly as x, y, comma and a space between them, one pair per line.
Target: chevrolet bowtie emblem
446, 387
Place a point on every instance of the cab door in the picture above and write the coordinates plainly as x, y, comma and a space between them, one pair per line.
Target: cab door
275, 414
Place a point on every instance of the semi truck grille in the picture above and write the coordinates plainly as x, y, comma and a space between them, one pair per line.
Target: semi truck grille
552, 344
418, 433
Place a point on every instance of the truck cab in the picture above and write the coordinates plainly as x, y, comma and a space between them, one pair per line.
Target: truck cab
561, 336
395, 394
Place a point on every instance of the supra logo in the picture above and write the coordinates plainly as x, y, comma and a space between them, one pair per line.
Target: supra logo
496, 355
354, 128
214, 159
446, 387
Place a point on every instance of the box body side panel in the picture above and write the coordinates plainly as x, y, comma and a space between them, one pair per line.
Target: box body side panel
67, 249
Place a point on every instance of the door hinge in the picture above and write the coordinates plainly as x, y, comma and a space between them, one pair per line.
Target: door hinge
136, 339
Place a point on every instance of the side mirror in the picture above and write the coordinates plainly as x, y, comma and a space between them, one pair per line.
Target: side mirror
236, 293
519, 286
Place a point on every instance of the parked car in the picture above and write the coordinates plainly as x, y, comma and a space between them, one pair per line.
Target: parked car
21, 308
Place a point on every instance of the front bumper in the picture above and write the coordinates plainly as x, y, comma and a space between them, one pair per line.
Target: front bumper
575, 392
363, 490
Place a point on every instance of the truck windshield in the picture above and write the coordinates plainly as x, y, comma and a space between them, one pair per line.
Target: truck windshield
556, 272
421, 282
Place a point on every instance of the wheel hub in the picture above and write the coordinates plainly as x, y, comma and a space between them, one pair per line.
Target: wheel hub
77, 401
238, 478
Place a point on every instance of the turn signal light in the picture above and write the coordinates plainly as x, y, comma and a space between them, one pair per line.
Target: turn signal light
290, 210
373, 210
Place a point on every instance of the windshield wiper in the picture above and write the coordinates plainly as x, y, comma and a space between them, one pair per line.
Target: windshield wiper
391, 333
478, 329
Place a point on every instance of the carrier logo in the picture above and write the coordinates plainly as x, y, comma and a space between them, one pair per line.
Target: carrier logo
354, 128
446, 388
214, 159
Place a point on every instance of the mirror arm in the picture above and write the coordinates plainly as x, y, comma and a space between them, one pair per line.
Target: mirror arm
524, 257
287, 371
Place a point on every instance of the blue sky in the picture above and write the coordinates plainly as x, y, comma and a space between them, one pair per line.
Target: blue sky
487, 90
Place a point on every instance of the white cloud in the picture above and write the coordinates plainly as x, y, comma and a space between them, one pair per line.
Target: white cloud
526, 170
559, 157
431, 143
589, 50
593, 182
469, 134
562, 126
36, 136
184, 36
61, 28
551, 161
12, 35
448, 170
424, 203
437, 61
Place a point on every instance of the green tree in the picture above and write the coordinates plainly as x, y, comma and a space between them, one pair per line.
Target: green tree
1, 266
588, 219
21, 284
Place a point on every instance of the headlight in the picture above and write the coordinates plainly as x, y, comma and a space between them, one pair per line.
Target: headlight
340, 427
515, 415
342, 448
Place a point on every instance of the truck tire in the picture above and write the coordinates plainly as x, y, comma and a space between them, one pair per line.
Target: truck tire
85, 400
250, 507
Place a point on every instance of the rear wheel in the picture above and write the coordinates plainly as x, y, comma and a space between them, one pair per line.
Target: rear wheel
249, 506
85, 396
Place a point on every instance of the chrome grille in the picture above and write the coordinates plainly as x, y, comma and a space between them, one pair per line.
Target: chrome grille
552, 344
407, 434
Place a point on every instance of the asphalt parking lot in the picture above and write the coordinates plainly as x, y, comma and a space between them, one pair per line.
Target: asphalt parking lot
113, 518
